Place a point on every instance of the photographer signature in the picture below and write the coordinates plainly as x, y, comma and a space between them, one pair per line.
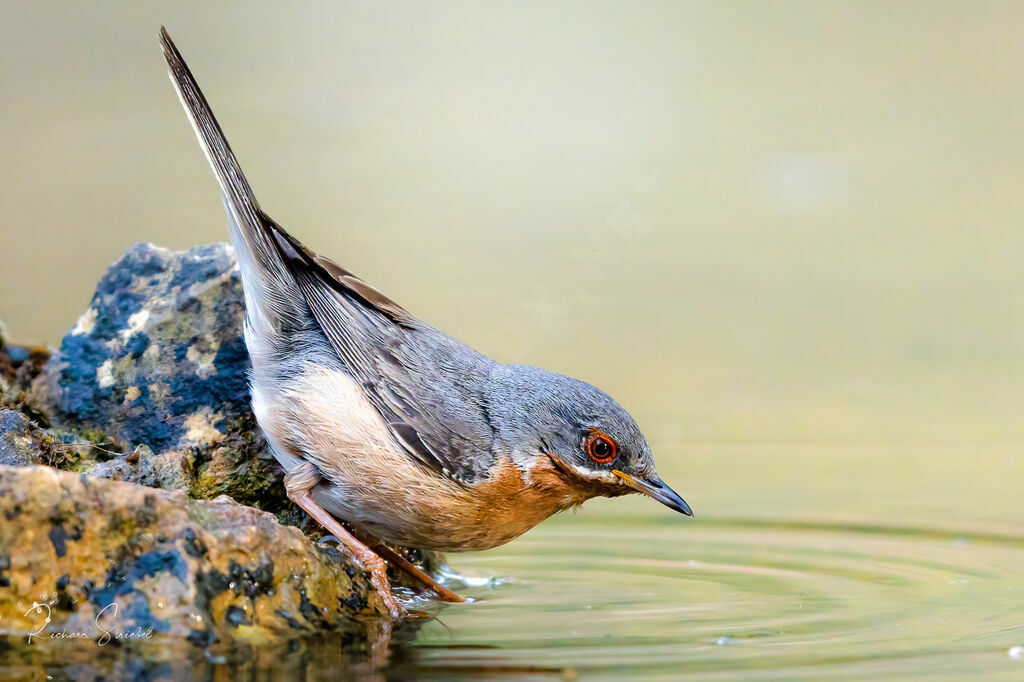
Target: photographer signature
102, 635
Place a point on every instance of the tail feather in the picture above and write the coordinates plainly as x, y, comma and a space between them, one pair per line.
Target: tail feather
266, 279
215, 145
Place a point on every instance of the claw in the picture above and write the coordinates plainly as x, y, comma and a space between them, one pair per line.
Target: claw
379, 579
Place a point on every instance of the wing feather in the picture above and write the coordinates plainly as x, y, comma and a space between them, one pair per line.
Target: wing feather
435, 415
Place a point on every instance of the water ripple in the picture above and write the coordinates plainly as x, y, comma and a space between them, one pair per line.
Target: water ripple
713, 599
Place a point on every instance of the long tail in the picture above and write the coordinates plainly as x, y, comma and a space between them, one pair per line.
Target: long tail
218, 152
269, 286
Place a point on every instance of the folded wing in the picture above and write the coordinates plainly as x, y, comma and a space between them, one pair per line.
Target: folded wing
429, 388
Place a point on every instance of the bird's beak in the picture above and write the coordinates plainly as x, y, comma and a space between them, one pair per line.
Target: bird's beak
656, 488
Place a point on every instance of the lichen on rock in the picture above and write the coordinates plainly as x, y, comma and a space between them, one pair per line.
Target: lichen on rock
125, 557
154, 373
21, 441
158, 357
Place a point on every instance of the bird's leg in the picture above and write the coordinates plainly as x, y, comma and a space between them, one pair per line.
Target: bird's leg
399, 561
297, 484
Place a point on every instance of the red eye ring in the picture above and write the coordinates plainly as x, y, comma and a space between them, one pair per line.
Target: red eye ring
601, 448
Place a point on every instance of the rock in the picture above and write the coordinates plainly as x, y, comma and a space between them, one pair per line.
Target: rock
21, 441
158, 358
20, 368
156, 368
90, 552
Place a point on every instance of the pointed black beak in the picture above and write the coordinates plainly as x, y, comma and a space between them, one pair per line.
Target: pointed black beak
656, 488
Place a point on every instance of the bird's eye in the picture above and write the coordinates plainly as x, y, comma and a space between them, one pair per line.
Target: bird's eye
601, 448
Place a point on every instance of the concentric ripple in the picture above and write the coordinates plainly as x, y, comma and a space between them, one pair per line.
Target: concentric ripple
719, 599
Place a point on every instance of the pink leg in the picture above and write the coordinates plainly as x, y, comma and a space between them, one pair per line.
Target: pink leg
299, 482
363, 554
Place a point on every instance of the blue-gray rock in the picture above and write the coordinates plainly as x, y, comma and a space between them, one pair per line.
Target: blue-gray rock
158, 358
20, 439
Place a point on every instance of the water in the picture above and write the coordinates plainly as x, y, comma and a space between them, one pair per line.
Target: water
789, 600
785, 236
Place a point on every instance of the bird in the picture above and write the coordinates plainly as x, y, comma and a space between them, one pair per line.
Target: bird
382, 421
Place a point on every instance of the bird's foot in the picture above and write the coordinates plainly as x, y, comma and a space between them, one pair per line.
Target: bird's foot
363, 554
399, 561
379, 579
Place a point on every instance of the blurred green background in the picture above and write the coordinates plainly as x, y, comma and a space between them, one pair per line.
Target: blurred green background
785, 235
791, 223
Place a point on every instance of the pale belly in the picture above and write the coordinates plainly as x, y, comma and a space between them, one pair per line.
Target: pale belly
323, 417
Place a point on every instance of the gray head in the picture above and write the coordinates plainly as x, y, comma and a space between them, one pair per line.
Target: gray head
588, 436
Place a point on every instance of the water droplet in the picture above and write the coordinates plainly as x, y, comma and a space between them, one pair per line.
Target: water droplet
725, 640
1016, 653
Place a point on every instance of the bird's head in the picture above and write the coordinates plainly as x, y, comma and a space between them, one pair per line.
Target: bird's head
589, 438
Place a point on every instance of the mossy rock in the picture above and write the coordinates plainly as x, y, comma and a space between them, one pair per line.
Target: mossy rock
95, 555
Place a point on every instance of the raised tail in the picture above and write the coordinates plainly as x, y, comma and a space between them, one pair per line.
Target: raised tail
211, 138
270, 293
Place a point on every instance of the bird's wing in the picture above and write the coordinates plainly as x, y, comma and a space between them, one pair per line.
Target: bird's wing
426, 385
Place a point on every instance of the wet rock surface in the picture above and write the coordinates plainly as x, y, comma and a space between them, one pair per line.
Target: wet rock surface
132, 472
124, 558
